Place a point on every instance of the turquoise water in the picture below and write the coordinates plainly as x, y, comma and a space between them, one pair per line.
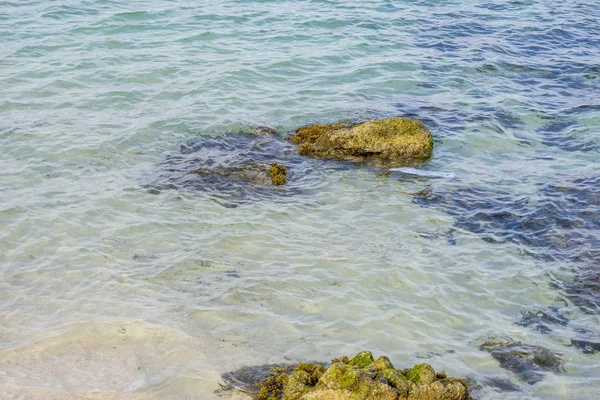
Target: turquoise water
115, 283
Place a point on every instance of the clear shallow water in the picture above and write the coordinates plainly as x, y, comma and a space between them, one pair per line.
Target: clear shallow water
96, 97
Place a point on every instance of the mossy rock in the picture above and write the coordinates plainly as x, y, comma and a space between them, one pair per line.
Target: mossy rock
289, 382
360, 378
256, 174
311, 133
392, 141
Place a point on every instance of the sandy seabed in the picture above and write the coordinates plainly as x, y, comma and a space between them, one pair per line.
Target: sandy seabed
112, 361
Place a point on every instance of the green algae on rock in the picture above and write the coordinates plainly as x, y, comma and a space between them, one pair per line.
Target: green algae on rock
252, 173
290, 382
311, 133
360, 378
395, 140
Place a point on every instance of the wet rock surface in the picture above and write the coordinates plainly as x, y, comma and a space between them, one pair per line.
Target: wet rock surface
247, 378
361, 377
528, 362
392, 141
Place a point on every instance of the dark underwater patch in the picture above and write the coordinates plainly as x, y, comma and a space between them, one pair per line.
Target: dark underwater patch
588, 342
584, 290
528, 362
567, 134
561, 223
228, 156
542, 320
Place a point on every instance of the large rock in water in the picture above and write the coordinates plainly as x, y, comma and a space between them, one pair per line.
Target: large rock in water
395, 140
360, 378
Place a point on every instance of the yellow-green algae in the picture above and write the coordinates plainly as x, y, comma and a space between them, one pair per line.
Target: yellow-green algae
290, 383
392, 140
252, 173
360, 378
311, 133
278, 174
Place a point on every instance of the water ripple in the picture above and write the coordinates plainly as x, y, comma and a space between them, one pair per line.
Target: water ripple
98, 98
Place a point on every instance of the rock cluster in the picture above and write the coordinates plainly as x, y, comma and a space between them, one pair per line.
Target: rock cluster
360, 378
388, 142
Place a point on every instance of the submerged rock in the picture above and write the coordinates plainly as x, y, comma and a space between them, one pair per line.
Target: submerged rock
358, 378
264, 131
584, 290
235, 168
588, 342
528, 362
541, 320
256, 174
558, 223
395, 140
497, 384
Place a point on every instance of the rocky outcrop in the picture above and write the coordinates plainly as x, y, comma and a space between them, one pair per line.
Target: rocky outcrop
359, 378
393, 141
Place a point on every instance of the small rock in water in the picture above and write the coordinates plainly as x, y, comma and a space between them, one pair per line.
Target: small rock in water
252, 173
528, 362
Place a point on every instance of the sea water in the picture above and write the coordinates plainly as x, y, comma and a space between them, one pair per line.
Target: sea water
116, 284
